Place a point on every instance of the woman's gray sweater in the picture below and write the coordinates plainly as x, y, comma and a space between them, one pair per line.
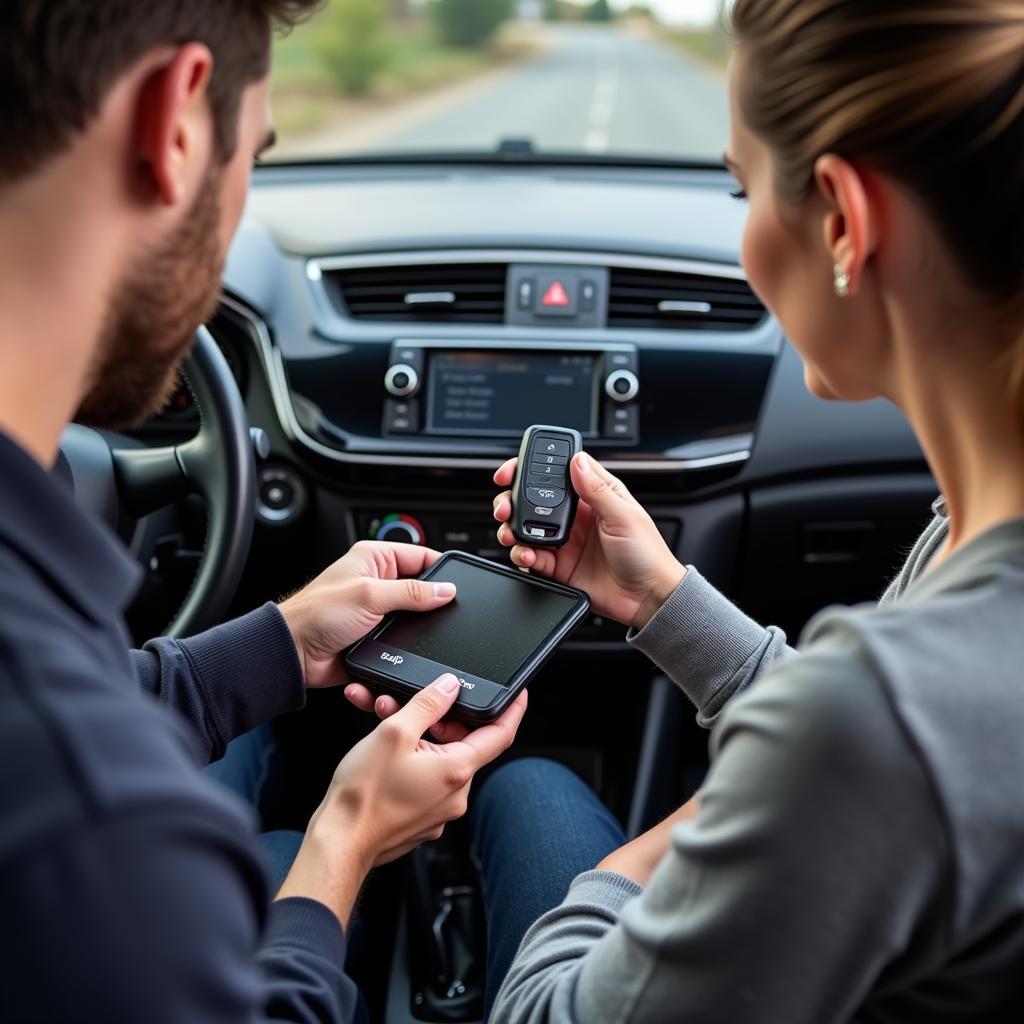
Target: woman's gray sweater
859, 850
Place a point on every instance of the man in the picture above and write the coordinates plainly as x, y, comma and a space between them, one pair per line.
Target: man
132, 889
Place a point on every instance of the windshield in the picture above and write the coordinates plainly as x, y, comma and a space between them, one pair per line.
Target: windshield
598, 80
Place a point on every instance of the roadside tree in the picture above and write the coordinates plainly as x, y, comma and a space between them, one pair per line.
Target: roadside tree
352, 43
469, 22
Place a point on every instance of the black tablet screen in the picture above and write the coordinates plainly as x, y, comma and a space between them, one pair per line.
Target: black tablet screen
491, 627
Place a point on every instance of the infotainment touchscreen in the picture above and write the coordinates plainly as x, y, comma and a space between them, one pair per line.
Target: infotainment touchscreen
502, 393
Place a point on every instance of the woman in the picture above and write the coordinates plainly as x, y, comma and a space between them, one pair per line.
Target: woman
858, 848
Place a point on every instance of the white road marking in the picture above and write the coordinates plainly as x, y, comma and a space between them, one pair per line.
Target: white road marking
602, 109
601, 114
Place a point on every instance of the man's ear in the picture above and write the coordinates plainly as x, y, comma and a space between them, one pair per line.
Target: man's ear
851, 219
174, 129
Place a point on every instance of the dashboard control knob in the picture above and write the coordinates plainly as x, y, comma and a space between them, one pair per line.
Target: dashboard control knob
280, 496
401, 380
622, 385
260, 442
401, 528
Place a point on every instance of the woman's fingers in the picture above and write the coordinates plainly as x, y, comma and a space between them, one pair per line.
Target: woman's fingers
502, 506
543, 562
606, 494
505, 473
524, 557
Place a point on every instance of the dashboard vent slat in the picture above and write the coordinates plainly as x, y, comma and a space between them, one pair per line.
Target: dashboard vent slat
470, 293
666, 300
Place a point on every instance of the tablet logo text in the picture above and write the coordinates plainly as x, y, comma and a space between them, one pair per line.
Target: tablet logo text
395, 659
465, 685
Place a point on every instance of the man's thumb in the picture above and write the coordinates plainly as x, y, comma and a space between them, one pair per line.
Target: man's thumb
604, 493
409, 595
430, 705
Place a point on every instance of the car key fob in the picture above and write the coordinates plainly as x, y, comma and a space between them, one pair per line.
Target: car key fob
543, 499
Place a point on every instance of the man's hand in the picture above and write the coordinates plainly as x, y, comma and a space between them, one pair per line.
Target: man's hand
391, 792
348, 599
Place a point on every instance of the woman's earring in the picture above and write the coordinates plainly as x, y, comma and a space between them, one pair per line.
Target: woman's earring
842, 282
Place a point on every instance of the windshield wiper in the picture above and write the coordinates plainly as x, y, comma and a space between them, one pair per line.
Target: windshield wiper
508, 151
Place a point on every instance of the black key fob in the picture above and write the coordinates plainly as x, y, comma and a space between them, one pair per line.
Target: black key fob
543, 500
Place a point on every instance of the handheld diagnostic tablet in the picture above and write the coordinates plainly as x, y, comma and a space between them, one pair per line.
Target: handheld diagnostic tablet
495, 634
543, 499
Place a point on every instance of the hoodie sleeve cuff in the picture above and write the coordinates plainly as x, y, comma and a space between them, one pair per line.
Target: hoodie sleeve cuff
248, 669
703, 642
307, 925
606, 889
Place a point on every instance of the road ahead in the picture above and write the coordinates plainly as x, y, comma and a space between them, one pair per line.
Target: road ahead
600, 91
597, 90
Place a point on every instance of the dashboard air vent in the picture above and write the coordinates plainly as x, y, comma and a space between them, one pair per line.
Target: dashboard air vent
662, 300
449, 293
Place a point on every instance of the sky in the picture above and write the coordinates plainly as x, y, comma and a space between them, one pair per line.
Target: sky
678, 10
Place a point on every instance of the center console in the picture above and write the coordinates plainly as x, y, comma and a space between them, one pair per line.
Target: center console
436, 361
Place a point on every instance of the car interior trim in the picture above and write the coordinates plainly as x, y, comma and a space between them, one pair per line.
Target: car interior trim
271, 359
316, 267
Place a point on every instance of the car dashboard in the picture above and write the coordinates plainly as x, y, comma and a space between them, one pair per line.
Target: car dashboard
346, 279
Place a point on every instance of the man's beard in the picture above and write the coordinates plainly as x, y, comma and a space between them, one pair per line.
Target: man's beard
153, 317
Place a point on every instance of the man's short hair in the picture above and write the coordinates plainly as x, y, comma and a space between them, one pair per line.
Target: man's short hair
59, 58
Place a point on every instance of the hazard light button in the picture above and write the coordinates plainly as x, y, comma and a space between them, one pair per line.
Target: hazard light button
557, 296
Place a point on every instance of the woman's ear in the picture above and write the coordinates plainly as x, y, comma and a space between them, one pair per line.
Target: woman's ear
851, 218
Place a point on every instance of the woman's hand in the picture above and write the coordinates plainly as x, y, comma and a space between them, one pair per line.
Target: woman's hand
350, 597
391, 792
614, 553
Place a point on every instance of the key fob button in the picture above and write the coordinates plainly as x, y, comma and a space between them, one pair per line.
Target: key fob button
548, 497
539, 480
551, 446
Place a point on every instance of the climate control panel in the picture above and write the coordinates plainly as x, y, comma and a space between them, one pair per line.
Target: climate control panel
397, 527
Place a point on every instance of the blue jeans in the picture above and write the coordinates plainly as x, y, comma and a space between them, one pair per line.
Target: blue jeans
535, 826
244, 769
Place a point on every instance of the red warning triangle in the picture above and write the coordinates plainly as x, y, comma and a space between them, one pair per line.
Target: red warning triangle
556, 295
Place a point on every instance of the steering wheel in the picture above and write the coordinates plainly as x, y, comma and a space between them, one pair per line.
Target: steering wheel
123, 482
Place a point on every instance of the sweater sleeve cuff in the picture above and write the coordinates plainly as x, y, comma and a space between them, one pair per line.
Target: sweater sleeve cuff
700, 639
308, 925
248, 669
603, 888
